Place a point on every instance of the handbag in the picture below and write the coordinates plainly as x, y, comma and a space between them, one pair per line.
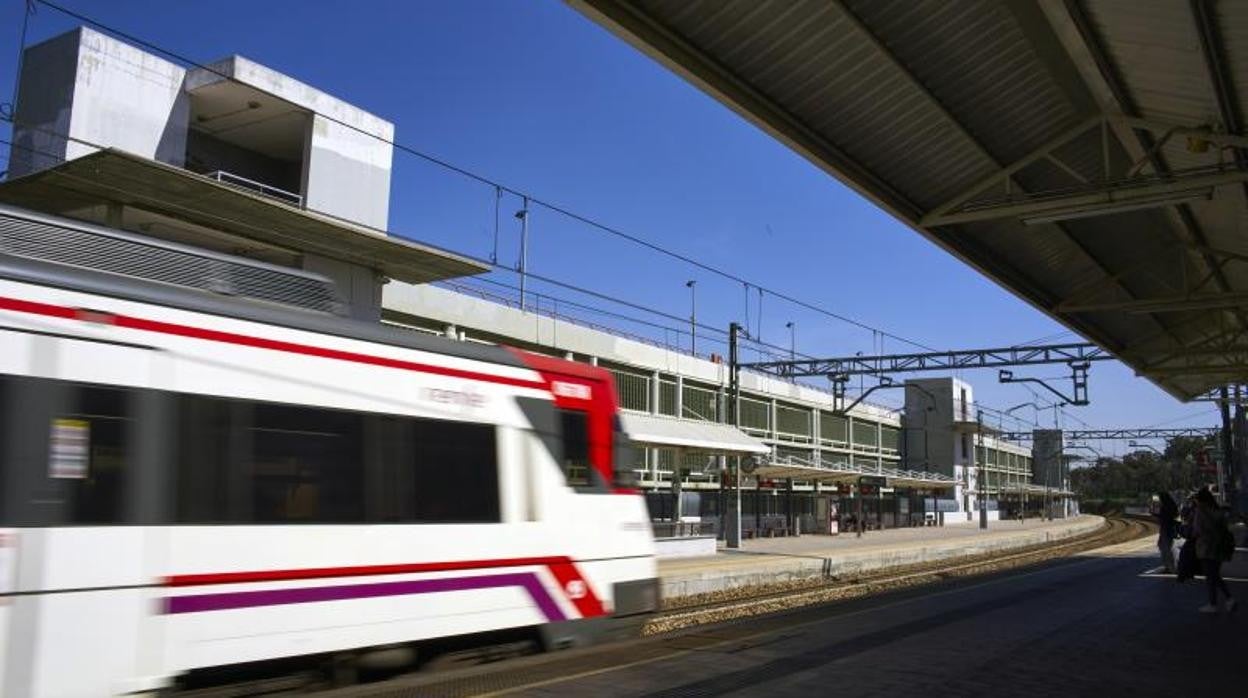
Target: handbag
1188, 566
1226, 543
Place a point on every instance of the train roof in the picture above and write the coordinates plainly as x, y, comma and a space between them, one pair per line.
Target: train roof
61, 273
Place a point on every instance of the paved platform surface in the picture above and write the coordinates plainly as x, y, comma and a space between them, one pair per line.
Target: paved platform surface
771, 560
1097, 624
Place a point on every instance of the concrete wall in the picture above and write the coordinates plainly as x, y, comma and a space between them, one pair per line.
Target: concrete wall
122, 98
45, 99
689, 546
687, 578
1048, 466
359, 287
347, 174
114, 95
930, 404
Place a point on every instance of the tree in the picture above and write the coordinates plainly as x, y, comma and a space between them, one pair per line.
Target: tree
1137, 475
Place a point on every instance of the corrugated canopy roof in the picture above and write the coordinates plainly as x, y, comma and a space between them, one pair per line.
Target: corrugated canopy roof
1087, 155
689, 434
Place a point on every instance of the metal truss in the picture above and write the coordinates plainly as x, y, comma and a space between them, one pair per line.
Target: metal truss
1235, 396
933, 361
1118, 434
1078, 379
1093, 198
838, 370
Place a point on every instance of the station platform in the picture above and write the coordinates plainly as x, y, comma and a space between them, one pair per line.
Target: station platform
769, 561
1098, 623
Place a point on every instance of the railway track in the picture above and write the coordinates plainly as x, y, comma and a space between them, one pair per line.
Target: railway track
685, 613
467, 673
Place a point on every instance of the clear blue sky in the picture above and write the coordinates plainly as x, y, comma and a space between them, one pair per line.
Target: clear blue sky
536, 96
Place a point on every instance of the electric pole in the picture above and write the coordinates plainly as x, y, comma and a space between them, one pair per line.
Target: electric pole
732, 535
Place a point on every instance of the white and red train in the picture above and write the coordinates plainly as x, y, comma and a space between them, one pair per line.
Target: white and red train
191, 481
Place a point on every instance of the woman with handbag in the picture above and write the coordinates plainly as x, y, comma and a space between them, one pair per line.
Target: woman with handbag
1167, 527
1214, 545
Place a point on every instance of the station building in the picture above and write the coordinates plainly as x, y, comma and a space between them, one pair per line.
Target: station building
238, 158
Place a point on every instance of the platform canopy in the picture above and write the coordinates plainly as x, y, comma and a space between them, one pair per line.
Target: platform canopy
1087, 155
192, 208
831, 472
690, 434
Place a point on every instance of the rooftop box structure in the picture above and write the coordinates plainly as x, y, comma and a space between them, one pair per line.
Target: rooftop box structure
233, 156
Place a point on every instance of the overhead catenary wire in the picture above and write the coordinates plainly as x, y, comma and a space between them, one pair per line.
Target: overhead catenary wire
534, 200
1194, 415
28, 9
497, 266
774, 349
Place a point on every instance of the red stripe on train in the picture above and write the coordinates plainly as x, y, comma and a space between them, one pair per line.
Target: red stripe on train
135, 323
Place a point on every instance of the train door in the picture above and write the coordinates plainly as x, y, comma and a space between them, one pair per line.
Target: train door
8, 570
74, 482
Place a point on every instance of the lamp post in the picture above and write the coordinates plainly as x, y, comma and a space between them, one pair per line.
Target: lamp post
732, 536
860, 377
523, 215
980, 483
692, 285
792, 340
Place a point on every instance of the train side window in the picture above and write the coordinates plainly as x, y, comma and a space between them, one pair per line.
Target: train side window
306, 465
205, 439
575, 447
7, 439
90, 453
455, 473
390, 474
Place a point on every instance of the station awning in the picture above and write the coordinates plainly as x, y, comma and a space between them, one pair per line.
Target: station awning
844, 472
116, 177
1089, 156
669, 432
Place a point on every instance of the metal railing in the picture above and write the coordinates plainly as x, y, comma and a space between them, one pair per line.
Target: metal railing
240, 182
682, 529
852, 468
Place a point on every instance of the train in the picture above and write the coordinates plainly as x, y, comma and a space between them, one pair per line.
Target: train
205, 465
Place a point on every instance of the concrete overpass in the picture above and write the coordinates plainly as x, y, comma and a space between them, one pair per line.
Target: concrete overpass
1087, 155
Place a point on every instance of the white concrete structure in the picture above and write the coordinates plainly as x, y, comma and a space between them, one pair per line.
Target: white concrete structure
945, 433
235, 121
345, 151
83, 87
268, 131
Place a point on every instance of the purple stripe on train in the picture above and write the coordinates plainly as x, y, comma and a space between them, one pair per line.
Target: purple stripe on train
277, 597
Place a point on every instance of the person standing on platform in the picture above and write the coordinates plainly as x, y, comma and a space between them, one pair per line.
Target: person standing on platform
1167, 527
1214, 545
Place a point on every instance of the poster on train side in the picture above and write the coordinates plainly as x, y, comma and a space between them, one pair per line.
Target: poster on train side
70, 449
